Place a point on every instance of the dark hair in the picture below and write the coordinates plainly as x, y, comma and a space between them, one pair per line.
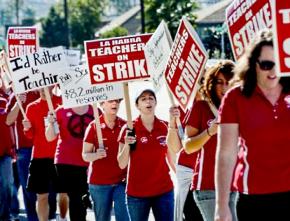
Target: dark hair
226, 67
245, 70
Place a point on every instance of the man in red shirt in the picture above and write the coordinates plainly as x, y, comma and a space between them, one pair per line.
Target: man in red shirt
6, 176
23, 149
42, 173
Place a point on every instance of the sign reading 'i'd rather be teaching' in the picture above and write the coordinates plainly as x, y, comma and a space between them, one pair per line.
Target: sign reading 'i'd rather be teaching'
117, 59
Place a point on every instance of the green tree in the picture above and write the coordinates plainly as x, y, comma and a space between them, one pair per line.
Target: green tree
28, 17
115, 32
171, 11
52, 26
84, 18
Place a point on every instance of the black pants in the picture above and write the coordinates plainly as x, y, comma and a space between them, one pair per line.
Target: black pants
73, 181
265, 207
191, 211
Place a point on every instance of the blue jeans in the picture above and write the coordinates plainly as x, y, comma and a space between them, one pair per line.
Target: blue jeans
6, 181
103, 197
205, 200
23, 160
14, 210
162, 206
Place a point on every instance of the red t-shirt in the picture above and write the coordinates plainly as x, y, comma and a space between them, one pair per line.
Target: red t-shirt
264, 136
72, 129
6, 141
106, 171
148, 171
21, 141
36, 111
200, 118
187, 160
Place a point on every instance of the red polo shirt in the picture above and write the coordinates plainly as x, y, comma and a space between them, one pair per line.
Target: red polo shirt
21, 140
106, 171
265, 136
200, 118
36, 111
6, 141
187, 160
72, 128
148, 171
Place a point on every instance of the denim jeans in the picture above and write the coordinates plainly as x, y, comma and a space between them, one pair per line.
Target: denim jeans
103, 197
162, 206
6, 181
205, 200
14, 210
23, 160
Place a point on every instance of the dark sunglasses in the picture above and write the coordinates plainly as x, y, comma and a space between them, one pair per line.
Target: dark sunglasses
266, 65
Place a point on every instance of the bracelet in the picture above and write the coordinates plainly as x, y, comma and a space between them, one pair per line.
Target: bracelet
207, 131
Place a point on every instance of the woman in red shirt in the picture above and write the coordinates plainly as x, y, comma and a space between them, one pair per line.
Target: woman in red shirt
201, 130
106, 179
148, 184
256, 114
70, 167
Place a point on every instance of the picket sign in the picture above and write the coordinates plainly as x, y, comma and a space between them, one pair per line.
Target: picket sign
118, 59
19, 103
244, 19
281, 37
178, 122
98, 127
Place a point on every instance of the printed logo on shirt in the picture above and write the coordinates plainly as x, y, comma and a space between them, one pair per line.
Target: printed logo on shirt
69, 114
103, 125
287, 100
144, 140
162, 140
209, 122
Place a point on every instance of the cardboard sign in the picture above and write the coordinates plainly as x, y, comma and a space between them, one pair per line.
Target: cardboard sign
73, 57
244, 19
281, 31
185, 64
4, 74
77, 90
117, 59
21, 41
157, 51
38, 70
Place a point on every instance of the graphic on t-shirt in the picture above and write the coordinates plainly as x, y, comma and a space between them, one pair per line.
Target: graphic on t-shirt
77, 124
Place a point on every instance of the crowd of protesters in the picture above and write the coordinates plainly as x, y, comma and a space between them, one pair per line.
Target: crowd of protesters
233, 163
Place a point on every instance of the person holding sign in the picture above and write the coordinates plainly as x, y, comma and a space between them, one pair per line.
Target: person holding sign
106, 180
6, 174
149, 184
70, 166
256, 115
42, 174
23, 149
201, 132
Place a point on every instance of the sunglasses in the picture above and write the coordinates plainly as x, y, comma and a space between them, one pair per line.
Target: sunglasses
266, 65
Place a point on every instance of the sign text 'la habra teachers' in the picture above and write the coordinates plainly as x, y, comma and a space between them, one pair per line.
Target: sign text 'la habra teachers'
117, 59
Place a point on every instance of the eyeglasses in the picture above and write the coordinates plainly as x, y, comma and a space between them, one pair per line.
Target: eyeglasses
266, 65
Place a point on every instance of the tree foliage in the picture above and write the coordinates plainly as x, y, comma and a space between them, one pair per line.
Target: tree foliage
83, 19
52, 26
115, 32
171, 11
